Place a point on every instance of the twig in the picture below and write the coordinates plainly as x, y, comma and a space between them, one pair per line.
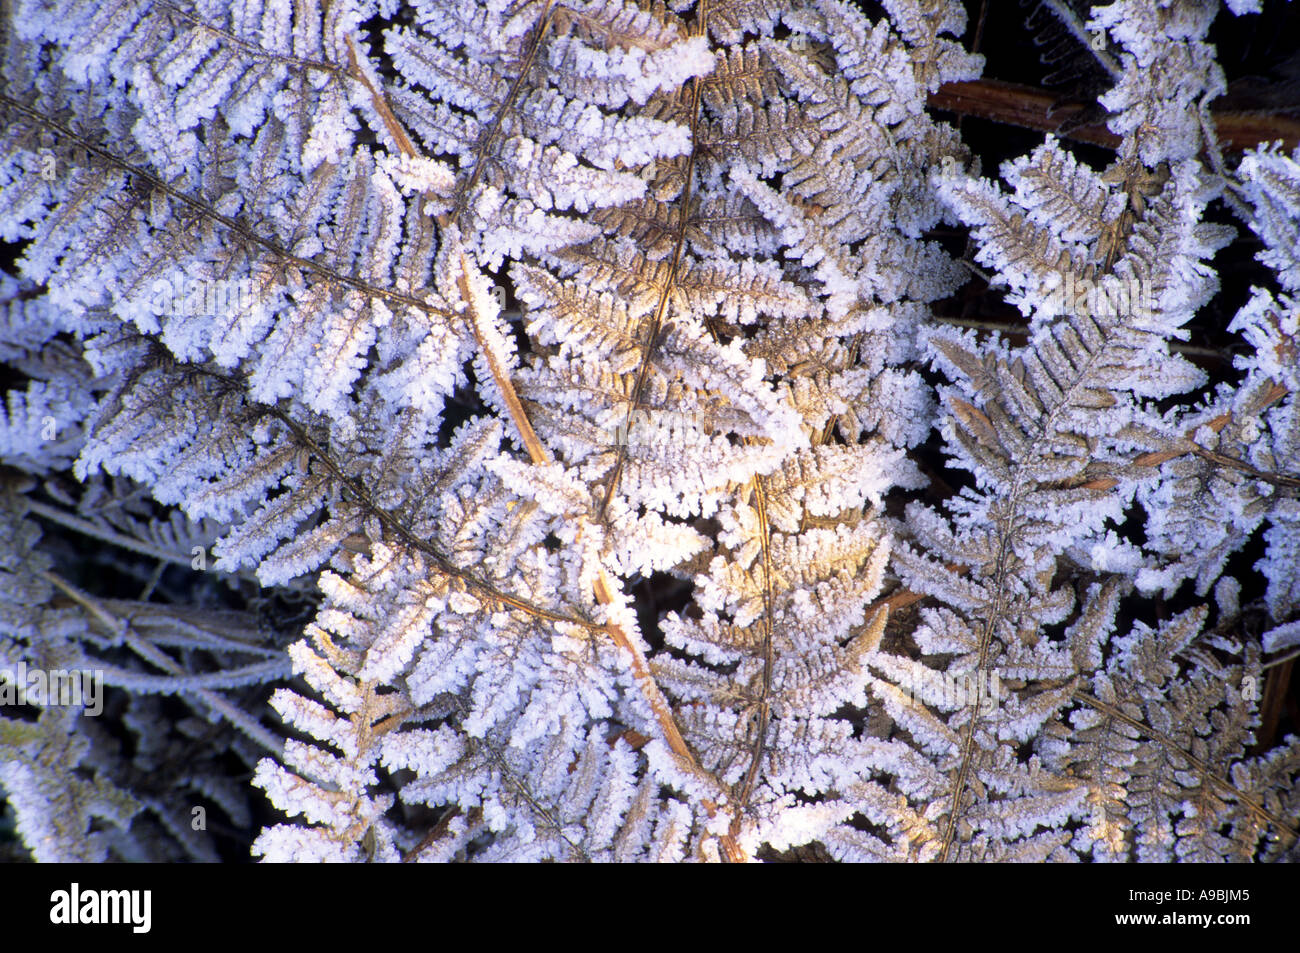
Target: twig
142, 647
1007, 327
1033, 108
1280, 660
1223, 460
536, 452
395, 128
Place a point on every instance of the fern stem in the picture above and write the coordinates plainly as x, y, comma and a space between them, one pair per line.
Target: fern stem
1204, 769
87, 528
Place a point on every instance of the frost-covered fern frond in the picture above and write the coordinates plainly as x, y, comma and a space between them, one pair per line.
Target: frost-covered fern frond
1159, 722
1060, 436
495, 722
1241, 448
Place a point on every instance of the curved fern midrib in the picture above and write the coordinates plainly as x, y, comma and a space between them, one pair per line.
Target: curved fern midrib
205, 210
1045, 430
684, 201
390, 520
485, 145
759, 749
1007, 527
252, 50
1168, 745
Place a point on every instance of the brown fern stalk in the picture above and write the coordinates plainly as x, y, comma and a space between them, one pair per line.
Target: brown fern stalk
1032, 108
537, 452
